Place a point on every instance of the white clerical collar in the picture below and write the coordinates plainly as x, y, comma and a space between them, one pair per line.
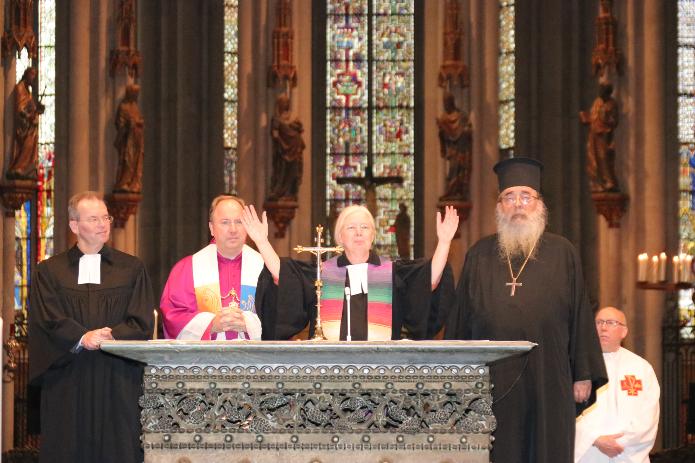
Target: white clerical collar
358, 278
90, 269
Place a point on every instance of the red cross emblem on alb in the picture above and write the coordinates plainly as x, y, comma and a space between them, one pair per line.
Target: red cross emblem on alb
631, 384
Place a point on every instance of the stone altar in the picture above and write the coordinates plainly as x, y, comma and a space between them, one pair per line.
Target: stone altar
397, 401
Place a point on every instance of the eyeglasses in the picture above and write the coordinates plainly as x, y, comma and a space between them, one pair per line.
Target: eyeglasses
93, 220
524, 198
352, 228
611, 323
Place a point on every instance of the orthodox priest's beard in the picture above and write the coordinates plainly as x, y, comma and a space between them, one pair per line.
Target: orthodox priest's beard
518, 232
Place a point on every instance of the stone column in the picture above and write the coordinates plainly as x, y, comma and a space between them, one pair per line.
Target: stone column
300, 230
123, 237
434, 167
7, 224
654, 182
79, 163
254, 104
119, 238
484, 114
8, 317
610, 264
181, 102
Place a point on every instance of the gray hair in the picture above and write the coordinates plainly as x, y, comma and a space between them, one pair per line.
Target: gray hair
76, 198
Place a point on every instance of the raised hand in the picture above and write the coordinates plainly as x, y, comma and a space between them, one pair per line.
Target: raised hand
446, 228
256, 228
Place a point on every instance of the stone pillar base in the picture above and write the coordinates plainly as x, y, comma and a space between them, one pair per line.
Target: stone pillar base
16, 192
610, 205
281, 213
122, 205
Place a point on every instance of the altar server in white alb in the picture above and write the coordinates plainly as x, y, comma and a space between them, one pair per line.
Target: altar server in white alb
211, 294
621, 426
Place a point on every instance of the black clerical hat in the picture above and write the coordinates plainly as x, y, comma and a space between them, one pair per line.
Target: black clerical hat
519, 171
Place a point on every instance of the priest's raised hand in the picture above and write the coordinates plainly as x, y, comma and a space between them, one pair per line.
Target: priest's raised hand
257, 230
446, 230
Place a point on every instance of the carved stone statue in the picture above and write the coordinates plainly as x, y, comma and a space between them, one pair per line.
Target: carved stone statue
402, 226
455, 139
25, 144
126, 24
600, 148
130, 142
288, 148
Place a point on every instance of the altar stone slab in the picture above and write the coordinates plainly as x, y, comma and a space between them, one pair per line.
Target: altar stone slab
311, 402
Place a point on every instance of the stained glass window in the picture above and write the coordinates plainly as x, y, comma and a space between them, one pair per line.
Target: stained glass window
370, 109
34, 221
686, 138
23, 256
23, 226
506, 73
231, 72
46, 84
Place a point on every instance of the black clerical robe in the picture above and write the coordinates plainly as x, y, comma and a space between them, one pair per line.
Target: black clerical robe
89, 399
533, 395
418, 312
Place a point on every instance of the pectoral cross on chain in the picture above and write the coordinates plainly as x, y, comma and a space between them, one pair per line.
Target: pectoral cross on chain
233, 301
318, 251
514, 284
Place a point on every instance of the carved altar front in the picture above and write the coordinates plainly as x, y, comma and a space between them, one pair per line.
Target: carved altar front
312, 402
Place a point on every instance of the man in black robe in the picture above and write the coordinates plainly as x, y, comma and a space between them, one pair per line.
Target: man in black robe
391, 300
526, 284
79, 298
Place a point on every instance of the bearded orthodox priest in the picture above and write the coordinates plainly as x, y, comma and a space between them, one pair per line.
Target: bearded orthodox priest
526, 284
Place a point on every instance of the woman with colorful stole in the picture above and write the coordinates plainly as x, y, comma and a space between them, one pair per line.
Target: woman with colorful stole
388, 299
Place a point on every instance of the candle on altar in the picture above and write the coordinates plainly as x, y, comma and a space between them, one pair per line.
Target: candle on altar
642, 267
676, 269
156, 315
688, 277
654, 269
662, 266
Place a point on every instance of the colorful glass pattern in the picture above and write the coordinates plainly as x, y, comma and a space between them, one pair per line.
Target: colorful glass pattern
22, 225
370, 108
231, 73
686, 138
36, 245
23, 256
506, 73
46, 82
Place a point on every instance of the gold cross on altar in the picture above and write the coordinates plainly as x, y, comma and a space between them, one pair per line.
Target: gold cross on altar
318, 251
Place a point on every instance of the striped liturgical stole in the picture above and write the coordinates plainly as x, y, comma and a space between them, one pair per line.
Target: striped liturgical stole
379, 296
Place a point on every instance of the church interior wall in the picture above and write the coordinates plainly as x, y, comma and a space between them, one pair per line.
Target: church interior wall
181, 96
